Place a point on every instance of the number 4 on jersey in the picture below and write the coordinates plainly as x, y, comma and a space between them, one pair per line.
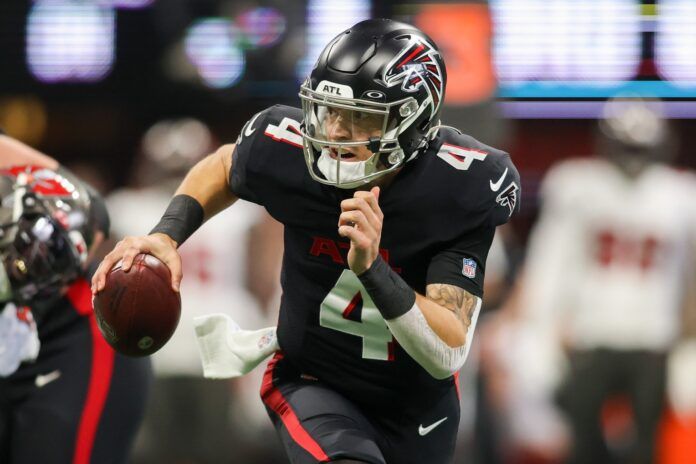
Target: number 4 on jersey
460, 158
287, 131
341, 302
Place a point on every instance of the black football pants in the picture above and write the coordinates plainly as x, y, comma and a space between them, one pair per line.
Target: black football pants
597, 375
317, 424
79, 403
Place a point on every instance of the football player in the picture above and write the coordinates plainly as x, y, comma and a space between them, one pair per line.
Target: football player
608, 266
388, 220
65, 396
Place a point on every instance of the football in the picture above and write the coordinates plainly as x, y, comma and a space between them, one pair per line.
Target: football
138, 311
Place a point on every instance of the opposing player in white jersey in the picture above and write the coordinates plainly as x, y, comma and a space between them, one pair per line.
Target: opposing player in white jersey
608, 263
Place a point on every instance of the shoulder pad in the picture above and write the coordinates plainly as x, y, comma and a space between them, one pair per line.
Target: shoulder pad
483, 178
268, 152
278, 123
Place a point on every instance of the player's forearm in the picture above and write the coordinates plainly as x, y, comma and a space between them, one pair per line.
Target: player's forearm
438, 342
446, 324
203, 193
207, 183
14, 152
418, 337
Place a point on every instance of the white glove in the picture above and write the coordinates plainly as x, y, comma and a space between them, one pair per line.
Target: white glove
227, 351
19, 339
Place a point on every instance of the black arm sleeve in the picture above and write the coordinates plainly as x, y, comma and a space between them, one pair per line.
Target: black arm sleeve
463, 263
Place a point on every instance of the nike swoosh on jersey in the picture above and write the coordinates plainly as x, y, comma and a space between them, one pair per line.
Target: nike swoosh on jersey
249, 129
423, 431
495, 187
43, 380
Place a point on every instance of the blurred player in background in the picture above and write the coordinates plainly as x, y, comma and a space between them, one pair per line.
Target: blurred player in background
65, 396
388, 222
608, 268
518, 420
191, 419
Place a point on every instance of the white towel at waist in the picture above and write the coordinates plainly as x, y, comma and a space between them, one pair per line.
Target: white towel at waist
227, 351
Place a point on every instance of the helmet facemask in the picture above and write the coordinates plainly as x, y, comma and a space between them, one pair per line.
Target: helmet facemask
40, 260
339, 132
42, 249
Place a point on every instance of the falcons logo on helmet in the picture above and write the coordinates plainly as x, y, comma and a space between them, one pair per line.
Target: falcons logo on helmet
415, 67
508, 197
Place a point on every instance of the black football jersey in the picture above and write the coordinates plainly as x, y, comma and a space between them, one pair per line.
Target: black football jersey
440, 215
57, 316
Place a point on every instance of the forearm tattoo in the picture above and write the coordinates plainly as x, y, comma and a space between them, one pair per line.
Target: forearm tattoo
457, 300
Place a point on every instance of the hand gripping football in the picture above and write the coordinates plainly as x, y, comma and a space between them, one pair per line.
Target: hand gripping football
138, 311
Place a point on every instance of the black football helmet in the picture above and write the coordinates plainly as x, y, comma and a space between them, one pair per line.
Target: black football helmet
381, 75
45, 233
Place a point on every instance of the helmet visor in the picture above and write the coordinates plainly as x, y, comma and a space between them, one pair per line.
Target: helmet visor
339, 124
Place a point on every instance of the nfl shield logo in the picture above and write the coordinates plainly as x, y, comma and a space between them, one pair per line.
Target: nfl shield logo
469, 269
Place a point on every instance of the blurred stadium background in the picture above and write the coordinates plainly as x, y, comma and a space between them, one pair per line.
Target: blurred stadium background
129, 93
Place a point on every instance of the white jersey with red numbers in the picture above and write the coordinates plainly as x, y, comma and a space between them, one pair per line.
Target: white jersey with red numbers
610, 256
214, 267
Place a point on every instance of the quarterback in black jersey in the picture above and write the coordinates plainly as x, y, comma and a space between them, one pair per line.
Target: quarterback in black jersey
65, 395
388, 220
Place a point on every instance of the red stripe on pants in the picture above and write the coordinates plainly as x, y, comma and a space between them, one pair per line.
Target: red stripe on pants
274, 399
100, 375
456, 384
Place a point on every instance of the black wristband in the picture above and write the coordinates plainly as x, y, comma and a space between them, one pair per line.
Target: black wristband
183, 217
390, 293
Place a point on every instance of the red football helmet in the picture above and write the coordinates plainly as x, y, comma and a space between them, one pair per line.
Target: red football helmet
45, 232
